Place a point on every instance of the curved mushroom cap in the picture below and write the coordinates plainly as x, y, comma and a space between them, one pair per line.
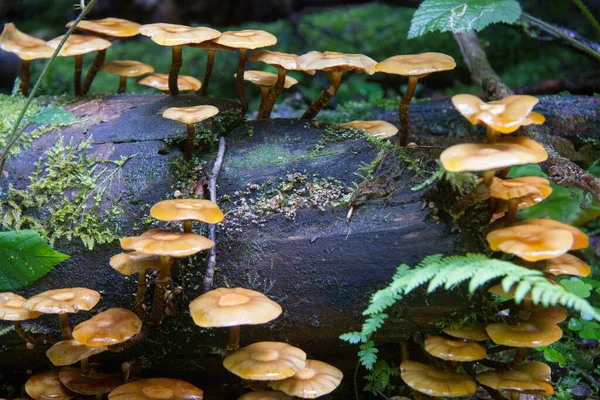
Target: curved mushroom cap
287, 61
134, 262
156, 388
534, 118
11, 308
418, 65
190, 115
506, 152
454, 350
553, 314
59, 301
474, 332
161, 82
434, 382
331, 60
532, 333
98, 383
528, 377
266, 361
232, 307
113, 27
265, 396
246, 39
507, 189
266, 79
567, 264
127, 68
177, 35
314, 380
504, 116
46, 385
498, 290
209, 45
24, 46
67, 352
166, 243
377, 128
580, 239
531, 242
109, 327
79, 44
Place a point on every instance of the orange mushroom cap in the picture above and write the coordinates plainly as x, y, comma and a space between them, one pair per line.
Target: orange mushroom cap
46, 385
272, 395
266, 79
567, 264
156, 388
97, 384
134, 262
507, 189
434, 382
287, 61
188, 115
129, 68
177, 35
246, 39
161, 82
166, 243
113, 27
11, 308
59, 301
331, 61
24, 46
531, 333
67, 352
473, 332
529, 377
580, 239
314, 380
419, 65
454, 350
77, 45
109, 327
377, 128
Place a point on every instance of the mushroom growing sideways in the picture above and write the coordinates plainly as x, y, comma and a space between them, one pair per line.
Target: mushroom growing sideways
531, 377
189, 116
315, 380
125, 69
161, 82
265, 81
379, 129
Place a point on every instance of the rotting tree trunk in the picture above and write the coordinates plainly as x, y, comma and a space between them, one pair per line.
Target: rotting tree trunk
321, 269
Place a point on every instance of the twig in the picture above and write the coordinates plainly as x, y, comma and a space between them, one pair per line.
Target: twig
590, 17
212, 187
559, 169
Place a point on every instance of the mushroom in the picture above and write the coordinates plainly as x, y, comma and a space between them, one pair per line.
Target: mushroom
414, 66
68, 352
272, 395
210, 48
190, 116
379, 129
434, 382
232, 307
26, 47
95, 385
518, 193
553, 314
156, 388
76, 46
335, 64
47, 385
265, 81
266, 361
11, 309
176, 36
468, 332
107, 28
61, 302
314, 380
501, 116
187, 210
244, 40
107, 328
161, 82
530, 377
531, 333
454, 350
283, 62
124, 69
580, 239
567, 264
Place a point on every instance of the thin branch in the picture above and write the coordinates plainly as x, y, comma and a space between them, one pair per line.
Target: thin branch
212, 187
590, 17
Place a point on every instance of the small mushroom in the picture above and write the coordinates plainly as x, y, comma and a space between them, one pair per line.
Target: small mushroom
567, 264
414, 66
530, 333
11, 309
175, 36
47, 385
468, 332
107, 328
379, 129
187, 210
190, 116
271, 395
96, 385
265, 81
161, 82
518, 193
434, 382
210, 48
530, 377
68, 352
454, 350
314, 380
156, 388
580, 239
125, 69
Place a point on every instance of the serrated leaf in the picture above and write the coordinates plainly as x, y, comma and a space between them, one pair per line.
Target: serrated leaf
460, 15
26, 257
53, 116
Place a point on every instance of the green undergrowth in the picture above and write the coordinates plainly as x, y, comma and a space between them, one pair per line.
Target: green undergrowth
334, 133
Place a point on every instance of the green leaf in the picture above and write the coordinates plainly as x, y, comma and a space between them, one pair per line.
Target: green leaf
589, 334
577, 287
53, 116
575, 325
552, 355
26, 257
460, 16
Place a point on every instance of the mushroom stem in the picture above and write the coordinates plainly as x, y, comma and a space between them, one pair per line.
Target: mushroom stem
491, 135
513, 205
239, 83
85, 367
488, 177
210, 62
158, 303
191, 132
25, 336
24, 86
122, 85
174, 71
187, 226
403, 109
234, 340
264, 94
274, 93
138, 306
321, 101
77, 74
65, 326
91, 74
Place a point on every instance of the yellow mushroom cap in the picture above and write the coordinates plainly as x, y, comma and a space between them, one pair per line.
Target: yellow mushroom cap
67, 352
531, 333
134, 262
528, 377
47, 385
377, 128
97, 384
454, 350
246, 39
272, 395
161, 82
266, 361
190, 115
232, 307
418, 65
473, 332
534, 118
434, 382
166, 243
11, 308
177, 35
79, 44
507, 189
287, 61
126, 68
266, 79
24, 46
314, 380
531, 242
59, 301
113, 27
580, 239
331, 60
553, 314
156, 388
567, 264
506, 152
109, 327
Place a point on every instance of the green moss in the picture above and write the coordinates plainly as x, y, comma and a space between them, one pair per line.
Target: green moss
334, 133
